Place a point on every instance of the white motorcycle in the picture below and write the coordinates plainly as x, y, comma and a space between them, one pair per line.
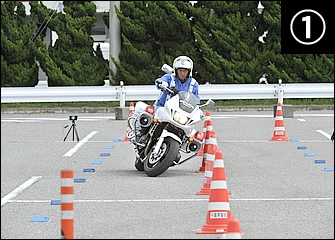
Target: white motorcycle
162, 139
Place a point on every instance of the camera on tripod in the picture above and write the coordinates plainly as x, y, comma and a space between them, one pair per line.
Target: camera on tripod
73, 127
73, 118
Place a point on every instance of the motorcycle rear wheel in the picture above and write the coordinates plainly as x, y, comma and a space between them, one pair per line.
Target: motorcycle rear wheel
167, 154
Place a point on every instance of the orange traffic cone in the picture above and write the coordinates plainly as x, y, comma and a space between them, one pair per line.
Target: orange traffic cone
209, 128
234, 230
201, 152
218, 204
211, 148
131, 109
279, 133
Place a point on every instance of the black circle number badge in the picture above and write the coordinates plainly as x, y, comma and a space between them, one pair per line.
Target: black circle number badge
308, 27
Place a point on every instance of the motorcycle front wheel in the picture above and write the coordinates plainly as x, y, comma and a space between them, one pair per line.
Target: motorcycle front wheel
139, 165
168, 152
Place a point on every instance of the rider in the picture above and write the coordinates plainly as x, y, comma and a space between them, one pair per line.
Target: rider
181, 80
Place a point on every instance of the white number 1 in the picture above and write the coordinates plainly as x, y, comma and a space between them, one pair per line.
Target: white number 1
307, 19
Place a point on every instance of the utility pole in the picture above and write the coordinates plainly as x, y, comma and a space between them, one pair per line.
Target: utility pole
114, 50
114, 36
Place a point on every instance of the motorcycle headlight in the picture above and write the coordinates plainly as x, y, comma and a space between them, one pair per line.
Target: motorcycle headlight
180, 118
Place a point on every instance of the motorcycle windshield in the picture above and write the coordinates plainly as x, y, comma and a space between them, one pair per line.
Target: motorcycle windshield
188, 101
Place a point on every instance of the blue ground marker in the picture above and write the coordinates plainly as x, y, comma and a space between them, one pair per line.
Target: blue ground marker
301, 147
109, 147
309, 154
329, 169
294, 140
79, 180
88, 170
55, 202
104, 154
116, 140
96, 162
40, 219
319, 161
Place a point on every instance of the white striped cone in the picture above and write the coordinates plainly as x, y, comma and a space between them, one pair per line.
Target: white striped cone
210, 148
234, 230
201, 152
279, 133
218, 205
209, 128
131, 109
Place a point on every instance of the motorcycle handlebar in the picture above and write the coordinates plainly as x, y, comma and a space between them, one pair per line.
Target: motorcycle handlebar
170, 89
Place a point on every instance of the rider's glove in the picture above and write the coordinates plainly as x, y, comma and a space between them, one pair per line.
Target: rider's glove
165, 84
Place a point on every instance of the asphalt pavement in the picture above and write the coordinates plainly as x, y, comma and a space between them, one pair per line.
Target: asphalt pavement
277, 190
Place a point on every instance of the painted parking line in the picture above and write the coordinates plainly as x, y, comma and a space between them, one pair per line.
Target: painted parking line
324, 134
19, 190
79, 144
181, 200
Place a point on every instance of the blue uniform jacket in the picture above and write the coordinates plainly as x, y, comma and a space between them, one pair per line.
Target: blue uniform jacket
186, 86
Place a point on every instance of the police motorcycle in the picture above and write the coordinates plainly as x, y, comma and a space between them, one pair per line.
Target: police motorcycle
167, 138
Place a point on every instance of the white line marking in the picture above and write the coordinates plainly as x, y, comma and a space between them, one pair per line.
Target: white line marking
106, 141
98, 117
177, 200
301, 120
79, 144
222, 117
241, 115
265, 141
324, 134
315, 115
55, 119
284, 199
19, 190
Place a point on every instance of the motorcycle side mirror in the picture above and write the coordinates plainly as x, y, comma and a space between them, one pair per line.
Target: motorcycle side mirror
209, 102
167, 69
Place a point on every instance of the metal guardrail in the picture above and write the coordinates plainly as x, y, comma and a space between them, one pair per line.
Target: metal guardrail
149, 92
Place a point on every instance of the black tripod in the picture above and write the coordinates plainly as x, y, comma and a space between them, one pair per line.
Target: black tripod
73, 127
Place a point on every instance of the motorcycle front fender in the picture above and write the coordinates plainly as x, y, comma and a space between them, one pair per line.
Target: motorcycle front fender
165, 134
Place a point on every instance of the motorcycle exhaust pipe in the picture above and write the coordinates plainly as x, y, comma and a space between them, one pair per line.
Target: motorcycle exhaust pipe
194, 146
145, 120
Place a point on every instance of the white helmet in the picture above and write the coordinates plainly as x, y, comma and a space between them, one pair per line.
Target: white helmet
183, 62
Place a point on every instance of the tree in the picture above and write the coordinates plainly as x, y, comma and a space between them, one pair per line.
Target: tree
72, 60
150, 38
229, 42
18, 66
